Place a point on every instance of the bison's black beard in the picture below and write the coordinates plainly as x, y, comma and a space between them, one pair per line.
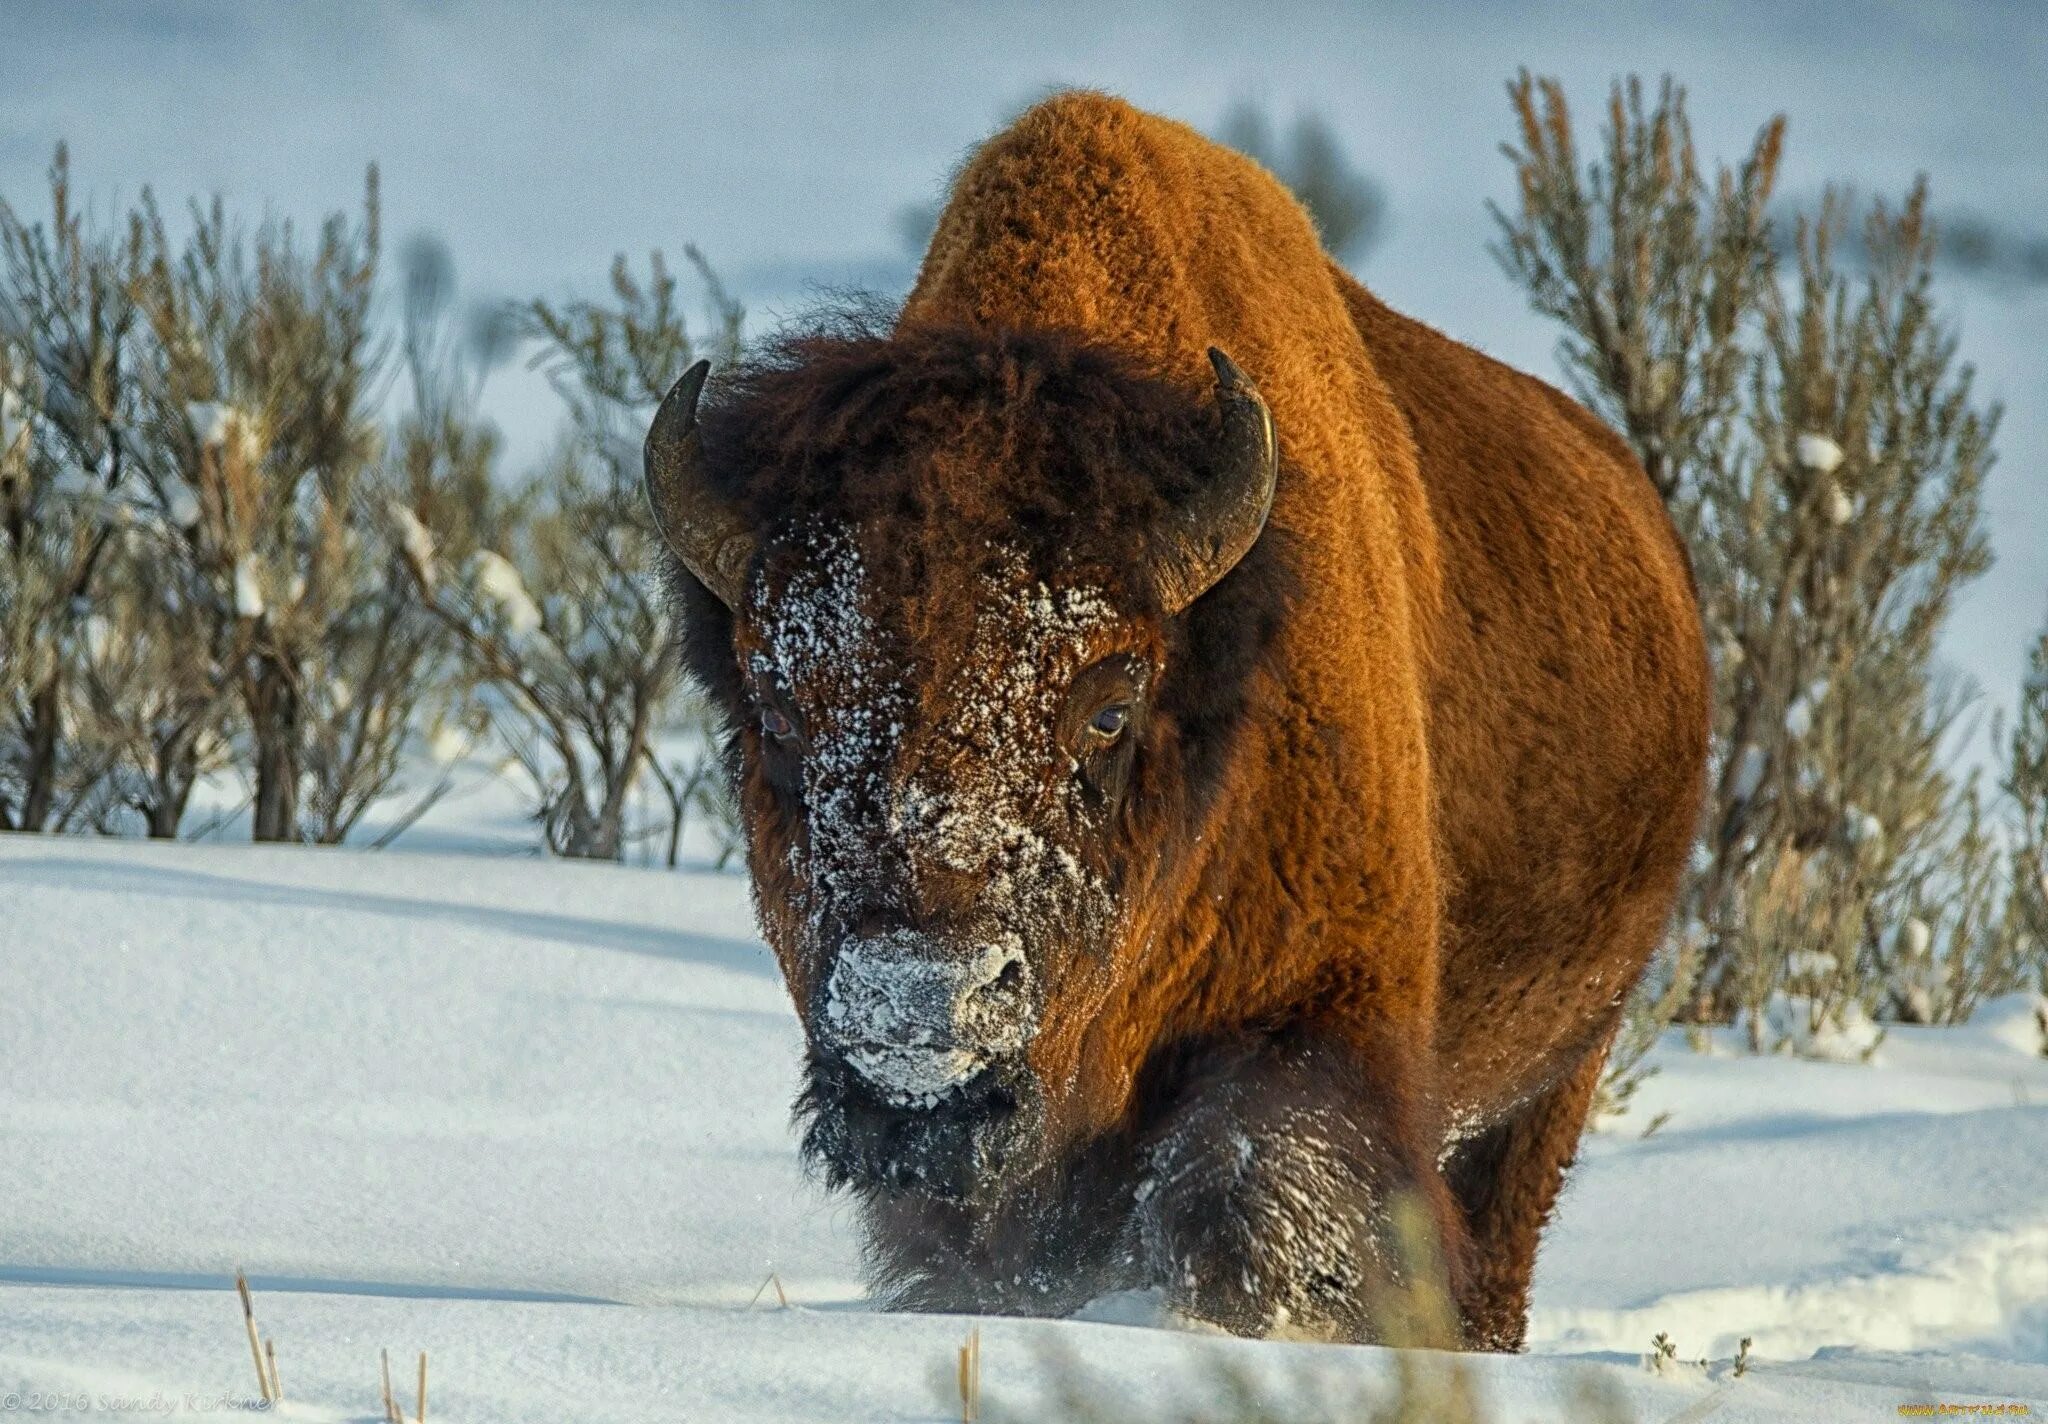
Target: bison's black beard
965, 1148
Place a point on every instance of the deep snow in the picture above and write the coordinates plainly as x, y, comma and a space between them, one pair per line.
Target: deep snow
532, 1117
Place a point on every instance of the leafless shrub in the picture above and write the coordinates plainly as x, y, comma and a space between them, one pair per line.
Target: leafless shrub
192, 585
1823, 454
2027, 784
549, 589
67, 427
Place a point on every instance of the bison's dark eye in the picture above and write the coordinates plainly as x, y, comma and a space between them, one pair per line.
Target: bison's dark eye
1108, 724
776, 725
1104, 705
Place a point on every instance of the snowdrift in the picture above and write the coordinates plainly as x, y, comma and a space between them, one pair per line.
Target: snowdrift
532, 1118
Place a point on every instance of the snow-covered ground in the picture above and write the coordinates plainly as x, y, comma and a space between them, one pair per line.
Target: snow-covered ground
531, 1117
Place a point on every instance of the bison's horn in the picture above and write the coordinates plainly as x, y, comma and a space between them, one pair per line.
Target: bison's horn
700, 524
1205, 537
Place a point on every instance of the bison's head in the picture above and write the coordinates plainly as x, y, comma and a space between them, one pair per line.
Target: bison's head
945, 586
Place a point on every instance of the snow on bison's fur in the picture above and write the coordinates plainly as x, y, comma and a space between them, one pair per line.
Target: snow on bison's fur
1209, 805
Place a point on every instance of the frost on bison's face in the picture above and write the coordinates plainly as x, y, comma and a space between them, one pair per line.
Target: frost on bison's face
943, 814
939, 584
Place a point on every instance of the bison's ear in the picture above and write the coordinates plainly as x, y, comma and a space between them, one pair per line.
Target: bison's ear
1204, 537
700, 524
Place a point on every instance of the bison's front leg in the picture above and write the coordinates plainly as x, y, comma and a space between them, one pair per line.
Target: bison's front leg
1288, 1190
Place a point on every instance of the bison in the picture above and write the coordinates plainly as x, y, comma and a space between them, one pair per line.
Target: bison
1214, 753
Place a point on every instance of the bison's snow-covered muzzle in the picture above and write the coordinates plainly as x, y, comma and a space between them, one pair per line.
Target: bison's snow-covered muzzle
918, 1079
918, 1018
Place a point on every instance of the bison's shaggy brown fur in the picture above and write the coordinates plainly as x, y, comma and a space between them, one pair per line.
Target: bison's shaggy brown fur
1400, 812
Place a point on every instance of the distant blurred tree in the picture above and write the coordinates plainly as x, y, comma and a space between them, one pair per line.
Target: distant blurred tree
915, 223
1823, 454
1971, 245
1348, 206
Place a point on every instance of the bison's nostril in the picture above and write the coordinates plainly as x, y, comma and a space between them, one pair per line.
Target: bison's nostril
873, 924
1009, 981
